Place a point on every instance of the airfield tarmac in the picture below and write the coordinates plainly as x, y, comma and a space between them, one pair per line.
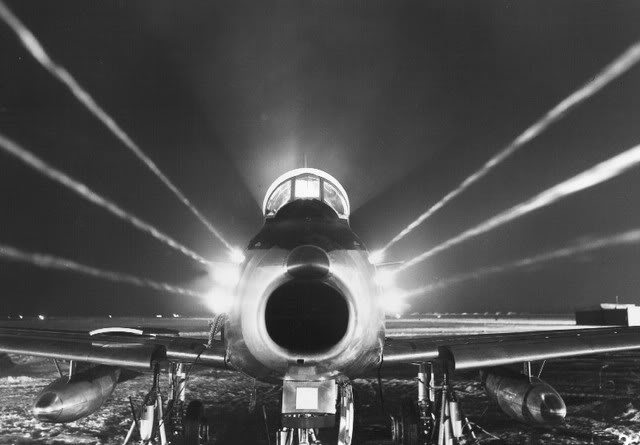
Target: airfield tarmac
600, 392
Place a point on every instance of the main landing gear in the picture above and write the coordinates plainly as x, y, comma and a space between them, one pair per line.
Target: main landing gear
177, 424
435, 418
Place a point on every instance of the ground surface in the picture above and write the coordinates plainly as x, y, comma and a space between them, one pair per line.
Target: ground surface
600, 393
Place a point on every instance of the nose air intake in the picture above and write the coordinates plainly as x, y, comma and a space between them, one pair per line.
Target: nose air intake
308, 263
306, 316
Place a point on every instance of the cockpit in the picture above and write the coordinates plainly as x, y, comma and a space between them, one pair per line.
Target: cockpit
306, 183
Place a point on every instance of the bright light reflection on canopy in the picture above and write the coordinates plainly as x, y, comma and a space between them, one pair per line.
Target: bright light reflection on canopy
306, 183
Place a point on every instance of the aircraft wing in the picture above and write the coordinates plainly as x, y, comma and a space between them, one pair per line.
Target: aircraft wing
463, 352
130, 348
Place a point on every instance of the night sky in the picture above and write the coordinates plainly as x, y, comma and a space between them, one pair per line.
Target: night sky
398, 100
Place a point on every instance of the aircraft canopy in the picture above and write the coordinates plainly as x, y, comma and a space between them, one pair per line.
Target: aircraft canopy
306, 183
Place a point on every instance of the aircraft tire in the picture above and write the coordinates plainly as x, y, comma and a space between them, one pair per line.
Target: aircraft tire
196, 428
409, 419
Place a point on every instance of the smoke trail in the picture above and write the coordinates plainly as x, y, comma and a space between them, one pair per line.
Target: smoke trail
630, 237
52, 262
37, 51
85, 192
612, 71
595, 175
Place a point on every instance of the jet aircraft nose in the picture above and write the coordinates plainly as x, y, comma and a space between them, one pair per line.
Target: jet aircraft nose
308, 262
48, 407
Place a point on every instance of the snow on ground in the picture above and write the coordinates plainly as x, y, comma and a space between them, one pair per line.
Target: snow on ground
600, 393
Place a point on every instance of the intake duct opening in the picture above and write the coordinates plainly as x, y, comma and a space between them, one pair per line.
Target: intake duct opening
306, 316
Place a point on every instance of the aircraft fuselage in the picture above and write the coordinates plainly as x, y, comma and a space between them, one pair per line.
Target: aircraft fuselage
306, 299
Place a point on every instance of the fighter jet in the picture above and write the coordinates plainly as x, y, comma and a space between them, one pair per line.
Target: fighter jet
308, 314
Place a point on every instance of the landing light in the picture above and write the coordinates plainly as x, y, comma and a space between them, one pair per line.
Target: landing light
219, 300
394, 301
376, 257
236, 256
393, 297
384, 278
225, 274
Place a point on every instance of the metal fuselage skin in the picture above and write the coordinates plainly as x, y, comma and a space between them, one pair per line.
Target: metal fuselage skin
306, 299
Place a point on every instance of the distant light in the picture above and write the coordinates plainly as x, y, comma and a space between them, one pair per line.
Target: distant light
236, 255
376, 257
20, 316
175, 315
158, 316
41, 317
110, 316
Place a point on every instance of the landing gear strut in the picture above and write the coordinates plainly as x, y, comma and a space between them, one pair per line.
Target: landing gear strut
186, 427
190, 426
427, 422
149, 419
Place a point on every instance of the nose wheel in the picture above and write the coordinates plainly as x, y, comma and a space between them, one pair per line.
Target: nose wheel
309, 436
345, 432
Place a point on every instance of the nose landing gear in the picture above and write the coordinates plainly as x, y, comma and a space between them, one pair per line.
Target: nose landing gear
301, 428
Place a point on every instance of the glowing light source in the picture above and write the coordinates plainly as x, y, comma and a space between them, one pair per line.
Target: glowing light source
236, 255
376, 257
385, 278
219, 300
394, 301
226, 275
393, 298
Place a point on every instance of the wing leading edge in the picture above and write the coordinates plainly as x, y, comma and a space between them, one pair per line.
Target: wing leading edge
488, 350
139, 352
